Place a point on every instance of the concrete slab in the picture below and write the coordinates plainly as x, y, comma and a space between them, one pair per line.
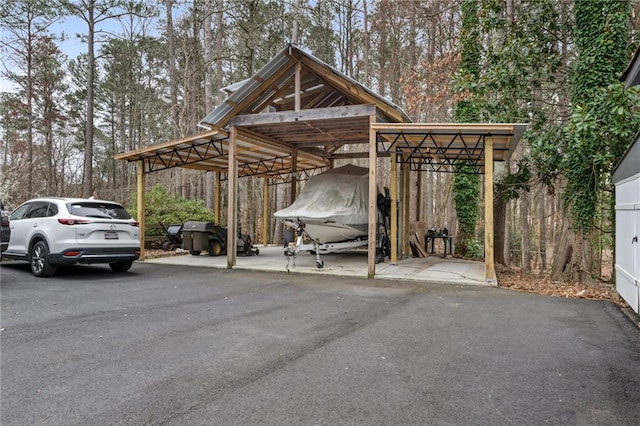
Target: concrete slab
433, 269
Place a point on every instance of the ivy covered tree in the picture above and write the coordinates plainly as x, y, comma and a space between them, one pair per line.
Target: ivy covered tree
466, 184
522, 81
596, 134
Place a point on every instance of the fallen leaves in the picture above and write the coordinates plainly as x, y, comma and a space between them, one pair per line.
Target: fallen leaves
155, 253
541, 284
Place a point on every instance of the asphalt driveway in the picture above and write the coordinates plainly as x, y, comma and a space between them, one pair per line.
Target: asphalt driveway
195, 346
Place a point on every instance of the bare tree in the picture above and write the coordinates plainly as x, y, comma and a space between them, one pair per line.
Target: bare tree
26, 23
93, 13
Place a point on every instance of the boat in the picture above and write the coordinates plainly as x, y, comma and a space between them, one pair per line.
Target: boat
332, 207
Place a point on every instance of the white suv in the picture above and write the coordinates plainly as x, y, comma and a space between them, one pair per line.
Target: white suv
48, 232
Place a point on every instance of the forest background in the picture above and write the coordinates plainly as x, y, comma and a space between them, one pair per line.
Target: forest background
149, 71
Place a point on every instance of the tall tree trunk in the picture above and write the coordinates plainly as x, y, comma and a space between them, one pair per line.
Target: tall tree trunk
500, 220
219, 51
173, 78
524, 229
514, 250
507, 234
178, 175
295, 9
542, 219
572, 260
208, 95
367, 43
30, 120
87, 183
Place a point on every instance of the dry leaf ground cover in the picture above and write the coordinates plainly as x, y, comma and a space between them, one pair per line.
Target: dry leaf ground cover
534, 283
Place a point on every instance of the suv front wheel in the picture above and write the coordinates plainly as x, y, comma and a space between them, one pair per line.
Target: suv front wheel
39, 261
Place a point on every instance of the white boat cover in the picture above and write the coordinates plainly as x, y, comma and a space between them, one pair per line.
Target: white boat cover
337, 196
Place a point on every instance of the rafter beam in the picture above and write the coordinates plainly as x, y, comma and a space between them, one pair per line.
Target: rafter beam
138, 154
304, 115
259, 139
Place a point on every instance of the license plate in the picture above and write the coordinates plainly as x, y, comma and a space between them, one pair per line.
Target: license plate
110, 235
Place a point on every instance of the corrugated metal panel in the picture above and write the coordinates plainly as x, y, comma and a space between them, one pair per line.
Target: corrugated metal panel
233, 87
217, 114
248, 88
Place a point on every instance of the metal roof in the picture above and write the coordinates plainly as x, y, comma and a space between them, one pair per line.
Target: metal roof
269, 147
251, 95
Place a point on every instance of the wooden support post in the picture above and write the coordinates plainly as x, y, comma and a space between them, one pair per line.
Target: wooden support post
141, 204
394, 208
217, 201
232, 199
418, 197
265, 212
406, 208
298, 86
400, 206
490, 273
294, 173
373, 195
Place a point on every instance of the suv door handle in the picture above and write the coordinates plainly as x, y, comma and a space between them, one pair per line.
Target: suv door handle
634, 239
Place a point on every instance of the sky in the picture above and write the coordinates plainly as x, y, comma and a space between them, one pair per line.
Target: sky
71, 46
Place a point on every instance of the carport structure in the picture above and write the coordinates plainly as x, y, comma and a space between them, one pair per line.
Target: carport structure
297, 115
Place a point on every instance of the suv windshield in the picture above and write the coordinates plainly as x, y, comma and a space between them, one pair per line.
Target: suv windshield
99, 210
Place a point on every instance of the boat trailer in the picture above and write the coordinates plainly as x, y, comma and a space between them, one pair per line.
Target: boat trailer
315, 247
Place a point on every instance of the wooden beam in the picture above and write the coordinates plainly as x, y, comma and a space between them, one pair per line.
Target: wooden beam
279, 96
341, 112
141, 204
133, 155
265, 211
260, 140
394, 208
373, 195
294, 178
265, 85
284, 97
418, 197
354, 91
406, 208
490, 272
217, 201
297, 85
317, 98
232, 189
485, 128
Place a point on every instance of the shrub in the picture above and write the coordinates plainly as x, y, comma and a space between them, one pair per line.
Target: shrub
163, 207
